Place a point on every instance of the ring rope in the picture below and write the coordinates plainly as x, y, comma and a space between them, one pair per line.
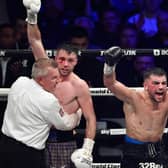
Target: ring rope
93, 91
87, 52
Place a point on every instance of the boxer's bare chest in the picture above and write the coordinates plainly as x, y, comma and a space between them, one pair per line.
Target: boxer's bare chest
66, 92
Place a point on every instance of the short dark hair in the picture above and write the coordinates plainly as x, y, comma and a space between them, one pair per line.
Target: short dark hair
154, 71
69, 48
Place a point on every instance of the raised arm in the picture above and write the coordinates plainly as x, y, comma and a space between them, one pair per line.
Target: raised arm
112, 56
34, 35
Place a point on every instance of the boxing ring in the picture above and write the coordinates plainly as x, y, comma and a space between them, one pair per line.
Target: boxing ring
94, 91
107, 132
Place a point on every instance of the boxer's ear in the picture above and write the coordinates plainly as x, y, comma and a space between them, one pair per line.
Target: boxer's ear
145, 85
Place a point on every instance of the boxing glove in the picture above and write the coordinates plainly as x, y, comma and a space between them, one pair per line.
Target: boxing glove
112, 57
33, 7
82, 158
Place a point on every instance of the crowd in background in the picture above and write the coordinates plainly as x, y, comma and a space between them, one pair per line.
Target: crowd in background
90, 24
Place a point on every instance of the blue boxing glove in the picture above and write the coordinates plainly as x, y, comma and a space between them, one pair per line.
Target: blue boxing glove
112, 57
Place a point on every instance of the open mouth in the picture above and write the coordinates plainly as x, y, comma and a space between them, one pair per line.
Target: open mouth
159, 95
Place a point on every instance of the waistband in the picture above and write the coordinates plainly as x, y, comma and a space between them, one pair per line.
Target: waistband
150, 149
60, 136
133, 141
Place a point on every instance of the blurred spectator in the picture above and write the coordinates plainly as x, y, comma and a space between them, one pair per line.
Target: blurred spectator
87, 8
163, 29
139, 65
87, 23
7, 41
160, 40
87, 17
79, 37
129, 39
129, 36
51, 23
107, 30
146, 20
11, 68
127, 6
21, 34
7, 36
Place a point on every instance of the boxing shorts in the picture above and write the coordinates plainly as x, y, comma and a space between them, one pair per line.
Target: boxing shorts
138, 154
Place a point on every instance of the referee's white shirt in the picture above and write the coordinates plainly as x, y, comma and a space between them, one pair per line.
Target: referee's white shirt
30, 113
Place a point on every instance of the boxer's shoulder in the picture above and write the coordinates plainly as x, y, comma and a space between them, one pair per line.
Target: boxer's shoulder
77, 82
